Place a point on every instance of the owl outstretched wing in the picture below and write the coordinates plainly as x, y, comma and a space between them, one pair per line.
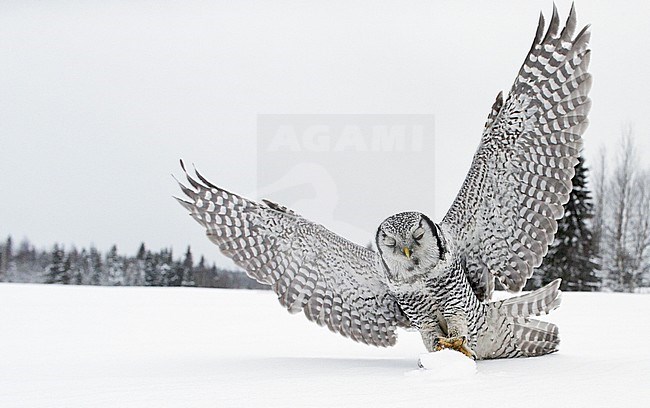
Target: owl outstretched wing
333, 281
504, 216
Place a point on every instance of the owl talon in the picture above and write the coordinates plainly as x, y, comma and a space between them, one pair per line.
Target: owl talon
455, 343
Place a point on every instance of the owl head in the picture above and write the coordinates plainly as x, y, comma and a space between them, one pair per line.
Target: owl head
410, 245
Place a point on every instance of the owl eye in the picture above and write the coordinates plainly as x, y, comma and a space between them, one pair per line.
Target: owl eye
390, 242
418, 233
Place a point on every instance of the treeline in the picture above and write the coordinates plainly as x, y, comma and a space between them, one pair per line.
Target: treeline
23, 263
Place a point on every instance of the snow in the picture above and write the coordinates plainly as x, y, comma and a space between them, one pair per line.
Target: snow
447, 365
70, 346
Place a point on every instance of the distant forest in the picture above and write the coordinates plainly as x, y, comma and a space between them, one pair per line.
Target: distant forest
24, 263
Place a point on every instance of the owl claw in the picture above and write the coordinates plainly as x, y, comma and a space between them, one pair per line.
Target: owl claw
455, 343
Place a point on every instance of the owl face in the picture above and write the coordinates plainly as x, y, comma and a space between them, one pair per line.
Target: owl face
409, 245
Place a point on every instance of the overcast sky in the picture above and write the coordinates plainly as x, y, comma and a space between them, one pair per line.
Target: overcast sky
99, 100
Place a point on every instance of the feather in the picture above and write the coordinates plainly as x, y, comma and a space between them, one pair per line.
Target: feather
536, 137
265, 239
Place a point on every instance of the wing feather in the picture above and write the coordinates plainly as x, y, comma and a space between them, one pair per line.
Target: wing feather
334, 282
504, 216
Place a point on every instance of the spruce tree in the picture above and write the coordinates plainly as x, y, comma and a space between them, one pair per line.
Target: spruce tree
175, 272
200, 273
151, 277
79, 270
114, 268
135, 269
164, 268
58, 269
95, 272
188, 269
142, 252
572, 255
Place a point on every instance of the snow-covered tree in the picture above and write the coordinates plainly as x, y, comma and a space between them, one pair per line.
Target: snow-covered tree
91, 267
75, 267
164, 271
58, 271
640, 236
623, 212
114, 268
134, 268
171, 272
201, 274
151, 277
94, 267
188, 269
27, 264
598, 223
78, 268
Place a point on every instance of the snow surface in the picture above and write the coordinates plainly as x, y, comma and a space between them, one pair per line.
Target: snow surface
447, 365
68, 346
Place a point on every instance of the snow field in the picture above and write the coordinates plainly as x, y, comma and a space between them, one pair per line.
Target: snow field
70, 346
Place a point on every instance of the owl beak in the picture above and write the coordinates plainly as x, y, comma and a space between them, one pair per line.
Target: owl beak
407, 252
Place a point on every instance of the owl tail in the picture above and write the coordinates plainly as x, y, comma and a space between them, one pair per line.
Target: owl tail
518, 335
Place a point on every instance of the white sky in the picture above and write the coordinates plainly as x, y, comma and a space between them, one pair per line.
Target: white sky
99, 99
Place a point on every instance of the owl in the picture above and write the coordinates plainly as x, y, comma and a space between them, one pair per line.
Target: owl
437, 278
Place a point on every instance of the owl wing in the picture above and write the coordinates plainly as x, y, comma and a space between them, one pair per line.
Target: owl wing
333, 281
504, 216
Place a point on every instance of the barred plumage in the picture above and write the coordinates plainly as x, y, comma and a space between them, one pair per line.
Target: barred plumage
330, 279
437, 278
504, 215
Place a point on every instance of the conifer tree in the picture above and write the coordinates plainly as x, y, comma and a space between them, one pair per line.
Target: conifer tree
114, 268
95, 273
142, 252
188, 269
164, 268
151, 277
78, 271
135, 268
58, 269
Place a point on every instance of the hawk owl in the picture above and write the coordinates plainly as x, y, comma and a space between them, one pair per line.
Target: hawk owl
437, 278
